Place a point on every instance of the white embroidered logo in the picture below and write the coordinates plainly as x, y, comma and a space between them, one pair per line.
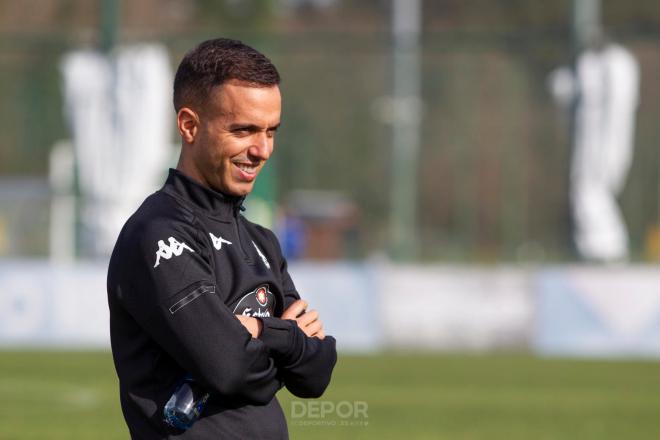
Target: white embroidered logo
217, 241
263, 257
174, 249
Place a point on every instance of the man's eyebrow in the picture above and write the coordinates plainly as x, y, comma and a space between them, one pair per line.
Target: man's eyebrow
250, 127
239, 126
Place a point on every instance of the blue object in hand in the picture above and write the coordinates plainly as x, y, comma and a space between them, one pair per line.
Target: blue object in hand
186, 404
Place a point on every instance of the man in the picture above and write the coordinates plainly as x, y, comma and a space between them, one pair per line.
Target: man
194, 288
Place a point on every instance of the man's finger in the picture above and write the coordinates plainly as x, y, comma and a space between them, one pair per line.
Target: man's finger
252, 325
307, 318
313, 328
296, 309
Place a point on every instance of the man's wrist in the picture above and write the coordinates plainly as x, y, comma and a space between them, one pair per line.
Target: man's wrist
283, 338
260, 326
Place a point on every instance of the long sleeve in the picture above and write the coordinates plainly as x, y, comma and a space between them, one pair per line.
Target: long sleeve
162, 276
305, 363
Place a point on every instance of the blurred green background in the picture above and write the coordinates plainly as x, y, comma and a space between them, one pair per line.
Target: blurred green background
492, 181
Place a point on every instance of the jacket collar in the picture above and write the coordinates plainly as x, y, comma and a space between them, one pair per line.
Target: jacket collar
205, 199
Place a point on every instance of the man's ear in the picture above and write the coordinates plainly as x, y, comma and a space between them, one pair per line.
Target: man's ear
188, 124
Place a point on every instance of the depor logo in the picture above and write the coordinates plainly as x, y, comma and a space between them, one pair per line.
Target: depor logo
329, 413
217, 241
175, 248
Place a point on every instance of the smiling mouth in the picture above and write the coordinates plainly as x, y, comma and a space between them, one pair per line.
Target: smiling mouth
247, 168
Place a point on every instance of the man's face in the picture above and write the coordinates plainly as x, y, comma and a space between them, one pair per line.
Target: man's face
236, 136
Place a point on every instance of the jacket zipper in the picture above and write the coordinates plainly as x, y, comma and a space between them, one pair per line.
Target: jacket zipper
246, 256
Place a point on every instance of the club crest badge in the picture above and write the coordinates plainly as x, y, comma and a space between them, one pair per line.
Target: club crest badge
262, 297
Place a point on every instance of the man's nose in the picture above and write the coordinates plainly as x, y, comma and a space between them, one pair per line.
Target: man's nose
262, 146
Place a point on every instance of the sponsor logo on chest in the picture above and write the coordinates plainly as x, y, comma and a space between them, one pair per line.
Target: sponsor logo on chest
258, 303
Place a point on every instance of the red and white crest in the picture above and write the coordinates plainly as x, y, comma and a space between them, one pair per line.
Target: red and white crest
262, 297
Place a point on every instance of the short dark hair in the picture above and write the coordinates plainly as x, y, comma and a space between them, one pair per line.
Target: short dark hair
214, 62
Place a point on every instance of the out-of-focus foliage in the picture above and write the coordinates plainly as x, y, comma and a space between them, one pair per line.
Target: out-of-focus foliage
495, 148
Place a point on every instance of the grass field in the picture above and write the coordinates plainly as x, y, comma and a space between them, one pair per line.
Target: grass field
55, 395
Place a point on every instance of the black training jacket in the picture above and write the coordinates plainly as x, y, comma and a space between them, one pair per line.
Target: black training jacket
184, 264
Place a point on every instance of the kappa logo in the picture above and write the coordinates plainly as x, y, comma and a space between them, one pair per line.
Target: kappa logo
175, 248
263, 257
217, 241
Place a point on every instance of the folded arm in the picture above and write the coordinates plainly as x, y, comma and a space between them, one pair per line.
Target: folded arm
304, 355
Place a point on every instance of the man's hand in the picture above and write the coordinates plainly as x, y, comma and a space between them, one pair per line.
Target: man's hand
308, 322
253, 325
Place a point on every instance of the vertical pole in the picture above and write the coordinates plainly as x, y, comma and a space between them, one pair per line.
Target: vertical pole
406, 18
109, 24
63, 203
586, 24
585, 31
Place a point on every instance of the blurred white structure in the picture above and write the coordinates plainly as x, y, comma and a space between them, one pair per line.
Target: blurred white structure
607, 83
118, 108
577, 310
